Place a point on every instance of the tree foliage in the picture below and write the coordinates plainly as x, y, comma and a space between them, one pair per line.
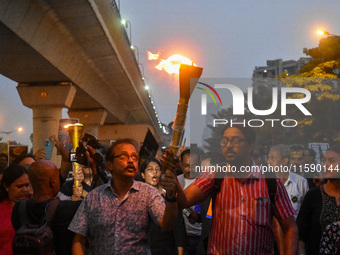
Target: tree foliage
328, 49
320, 78
3, 146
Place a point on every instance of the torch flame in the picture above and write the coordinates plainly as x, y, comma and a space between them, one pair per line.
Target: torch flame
152, 56
170, 65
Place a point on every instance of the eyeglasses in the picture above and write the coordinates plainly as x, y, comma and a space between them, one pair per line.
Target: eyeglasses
125, 156
235, 141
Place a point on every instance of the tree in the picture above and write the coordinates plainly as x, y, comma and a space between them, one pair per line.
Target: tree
319, 77
328, 49
3, 146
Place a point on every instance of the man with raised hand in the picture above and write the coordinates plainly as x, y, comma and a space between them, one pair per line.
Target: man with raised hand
242, 211
115, 217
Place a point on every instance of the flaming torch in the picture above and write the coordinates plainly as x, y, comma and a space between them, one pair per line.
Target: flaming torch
188, 77
76, 132
189, 74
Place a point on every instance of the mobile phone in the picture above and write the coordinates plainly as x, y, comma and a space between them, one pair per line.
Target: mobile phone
73, 157
48, 148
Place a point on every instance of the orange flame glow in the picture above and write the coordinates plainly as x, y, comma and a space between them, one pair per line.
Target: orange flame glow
170, 65
152, 56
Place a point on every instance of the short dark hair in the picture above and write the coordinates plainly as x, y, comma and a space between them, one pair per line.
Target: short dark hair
147, 162
10, 174
312, 153
187, 151
21, 157
195, 151
108, 156
3, 155
248, 132
297, 147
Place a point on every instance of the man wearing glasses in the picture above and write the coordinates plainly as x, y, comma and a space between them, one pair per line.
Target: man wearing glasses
242, 211
115, 216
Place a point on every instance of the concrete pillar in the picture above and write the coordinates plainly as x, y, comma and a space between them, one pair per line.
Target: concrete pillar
91, 119
47, 102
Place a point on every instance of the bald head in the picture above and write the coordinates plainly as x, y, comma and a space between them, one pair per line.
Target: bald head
44, 177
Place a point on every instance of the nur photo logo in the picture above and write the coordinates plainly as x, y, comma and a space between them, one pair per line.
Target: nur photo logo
204, 96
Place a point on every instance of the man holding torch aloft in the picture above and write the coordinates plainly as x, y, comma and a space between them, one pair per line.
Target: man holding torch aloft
242, 209
115, 216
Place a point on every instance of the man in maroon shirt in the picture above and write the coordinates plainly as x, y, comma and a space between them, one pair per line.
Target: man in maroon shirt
242, 211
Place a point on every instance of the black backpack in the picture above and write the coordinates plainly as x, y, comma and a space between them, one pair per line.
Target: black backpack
32, 238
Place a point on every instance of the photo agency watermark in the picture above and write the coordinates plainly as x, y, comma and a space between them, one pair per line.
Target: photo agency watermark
238, 106
280, 111
214, 171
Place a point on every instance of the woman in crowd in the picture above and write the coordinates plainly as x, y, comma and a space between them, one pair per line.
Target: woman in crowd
321, 205
330, 241
14, 187
160, 241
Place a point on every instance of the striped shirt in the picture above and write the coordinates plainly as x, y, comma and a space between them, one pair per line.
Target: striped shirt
242, 220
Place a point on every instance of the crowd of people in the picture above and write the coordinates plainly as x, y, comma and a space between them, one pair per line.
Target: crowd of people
161, 205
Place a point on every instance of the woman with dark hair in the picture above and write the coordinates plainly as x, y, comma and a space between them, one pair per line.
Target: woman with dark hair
24, 160
321, 206
14, 187
160, 241
151, 173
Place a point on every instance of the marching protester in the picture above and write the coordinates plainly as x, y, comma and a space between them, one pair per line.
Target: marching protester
296, 157
240, 200
295, 185
14, 187
140, 218
3, 162
321, 205
44, 177
160, 241
122, 208
314, 178
191, 215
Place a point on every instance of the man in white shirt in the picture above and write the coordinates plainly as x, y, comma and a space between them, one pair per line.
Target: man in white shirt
296, 186
191, 215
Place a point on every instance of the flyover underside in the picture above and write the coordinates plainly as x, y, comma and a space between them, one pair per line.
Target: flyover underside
79, 41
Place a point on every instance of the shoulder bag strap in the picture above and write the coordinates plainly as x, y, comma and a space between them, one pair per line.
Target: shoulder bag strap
51, 208
22, 211
272, 187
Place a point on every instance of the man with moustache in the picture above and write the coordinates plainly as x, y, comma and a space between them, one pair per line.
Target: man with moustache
242, 211
115, 216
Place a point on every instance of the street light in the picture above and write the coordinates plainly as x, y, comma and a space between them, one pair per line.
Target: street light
20, 129
323, 32
135, 50
127, 24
